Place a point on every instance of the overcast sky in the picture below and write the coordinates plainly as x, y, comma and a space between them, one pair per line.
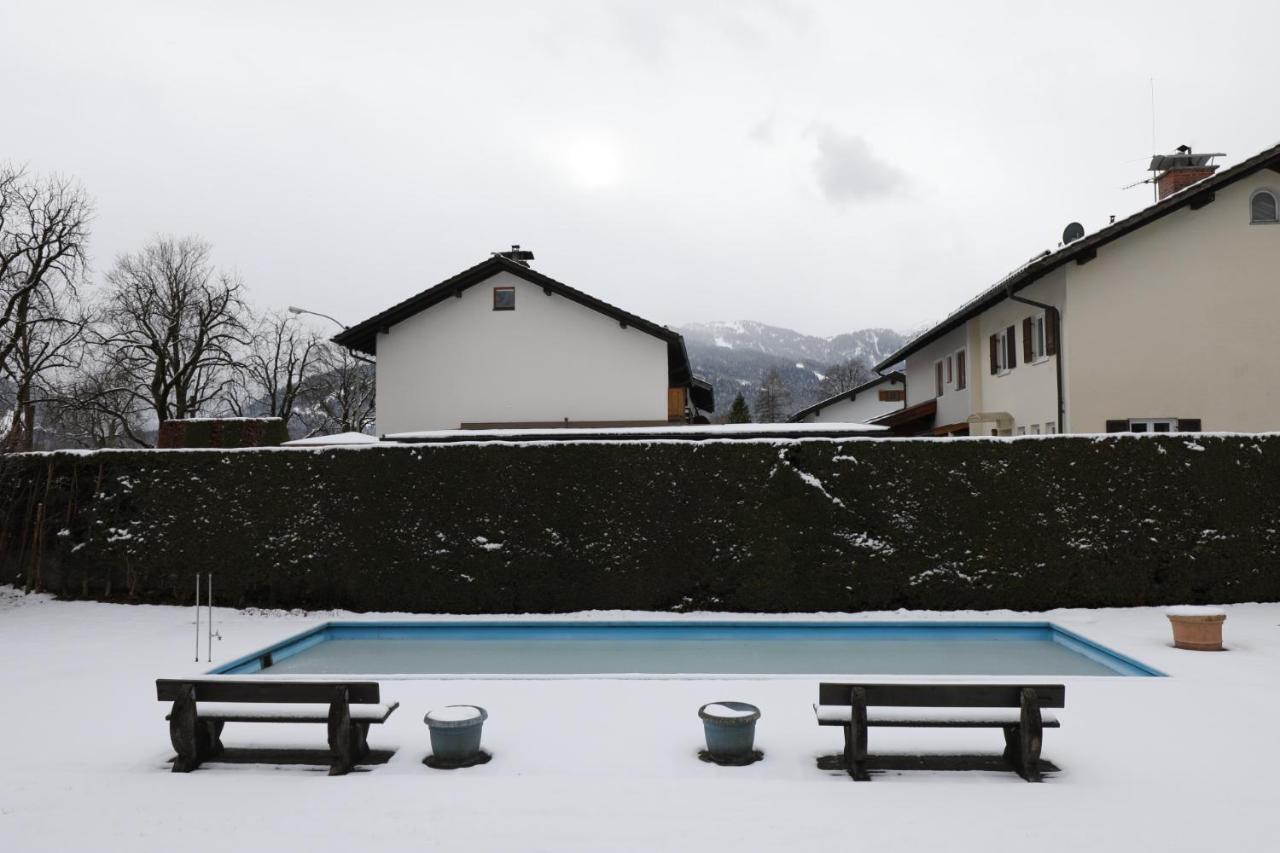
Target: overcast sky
821, 166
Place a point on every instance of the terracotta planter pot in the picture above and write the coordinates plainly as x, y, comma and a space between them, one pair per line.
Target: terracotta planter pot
1198, 629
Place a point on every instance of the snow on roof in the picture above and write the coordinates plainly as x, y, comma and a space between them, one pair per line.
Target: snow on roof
342, 438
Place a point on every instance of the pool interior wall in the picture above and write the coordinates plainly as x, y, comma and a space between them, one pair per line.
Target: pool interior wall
612, 649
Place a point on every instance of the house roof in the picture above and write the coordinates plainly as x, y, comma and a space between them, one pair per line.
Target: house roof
1085, 249
845, 395
363, 337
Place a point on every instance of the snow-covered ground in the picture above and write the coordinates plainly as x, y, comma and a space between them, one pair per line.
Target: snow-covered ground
1170, 764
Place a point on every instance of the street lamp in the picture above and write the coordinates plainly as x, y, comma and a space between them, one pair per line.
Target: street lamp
294, 309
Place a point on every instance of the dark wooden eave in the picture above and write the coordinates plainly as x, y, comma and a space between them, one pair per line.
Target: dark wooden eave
912, 420
1082, 251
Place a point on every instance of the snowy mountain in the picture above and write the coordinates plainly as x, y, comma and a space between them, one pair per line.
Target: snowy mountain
733, 356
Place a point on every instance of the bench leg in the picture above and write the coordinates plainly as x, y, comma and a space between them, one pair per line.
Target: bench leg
1030, 735
855, 736
342, 738
214, 738
188, 735
1012, 748
855, 756
361, 733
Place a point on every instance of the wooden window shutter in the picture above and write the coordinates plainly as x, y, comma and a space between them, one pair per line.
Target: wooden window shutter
1027, 355
1188, 424
1011, 348
1051, 331
995, 355
1118, 426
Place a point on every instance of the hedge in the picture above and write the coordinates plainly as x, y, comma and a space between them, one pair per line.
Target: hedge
802, 525
223, 432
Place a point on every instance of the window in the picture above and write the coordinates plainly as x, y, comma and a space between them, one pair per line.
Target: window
1022, 430
504, 299
1036, 339
1154, 425
892, 396
962, 380
937, 378
1035, 429
1263, 207
950, 374
1003, 355
1050, 428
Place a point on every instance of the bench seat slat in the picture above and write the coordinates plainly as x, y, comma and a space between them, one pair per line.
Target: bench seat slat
233, 712
944, 695
266, 691
916, 717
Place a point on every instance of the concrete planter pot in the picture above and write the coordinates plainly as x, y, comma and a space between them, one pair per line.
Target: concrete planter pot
1197, 629
730, 729
455, 736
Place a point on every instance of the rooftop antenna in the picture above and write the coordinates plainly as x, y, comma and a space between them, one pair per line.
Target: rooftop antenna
1155, 192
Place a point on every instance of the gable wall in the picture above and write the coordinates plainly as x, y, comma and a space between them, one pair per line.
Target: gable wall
953, 405
862, 408
549, 359
1180, 319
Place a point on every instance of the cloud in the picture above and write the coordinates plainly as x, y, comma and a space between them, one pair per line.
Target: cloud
847, 171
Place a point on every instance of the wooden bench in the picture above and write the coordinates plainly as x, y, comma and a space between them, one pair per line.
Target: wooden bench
1017, 709
202, 707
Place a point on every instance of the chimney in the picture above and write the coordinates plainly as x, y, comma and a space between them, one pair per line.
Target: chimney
1175, 172
521, 257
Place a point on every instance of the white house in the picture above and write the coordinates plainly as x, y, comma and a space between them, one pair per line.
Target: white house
501, 345
879, 396
1166, 320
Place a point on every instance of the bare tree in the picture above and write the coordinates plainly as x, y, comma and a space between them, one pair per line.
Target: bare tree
49, 343
773, 400
44, 230
340, 397
172, 326
276, 367
845, 377
97, 407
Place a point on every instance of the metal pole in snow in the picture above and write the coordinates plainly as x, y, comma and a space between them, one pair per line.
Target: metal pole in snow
210, 659
197, 617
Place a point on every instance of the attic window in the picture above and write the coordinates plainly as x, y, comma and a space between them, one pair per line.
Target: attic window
1263, 207
504, 299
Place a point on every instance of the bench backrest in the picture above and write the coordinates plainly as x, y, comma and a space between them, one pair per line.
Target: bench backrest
944, 695
358, 692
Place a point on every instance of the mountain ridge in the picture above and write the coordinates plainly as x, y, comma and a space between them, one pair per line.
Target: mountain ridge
735, 355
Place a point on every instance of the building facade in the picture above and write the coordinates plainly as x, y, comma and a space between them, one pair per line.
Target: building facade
1166, 320
503, 346
880, 396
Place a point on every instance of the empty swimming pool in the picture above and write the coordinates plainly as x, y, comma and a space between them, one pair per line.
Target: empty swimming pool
492, 649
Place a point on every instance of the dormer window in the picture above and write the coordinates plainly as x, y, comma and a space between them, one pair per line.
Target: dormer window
1263, 207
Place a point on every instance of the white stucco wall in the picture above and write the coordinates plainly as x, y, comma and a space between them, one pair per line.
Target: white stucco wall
953, 405
859, 409
549, 359
1180, 319
1028, 392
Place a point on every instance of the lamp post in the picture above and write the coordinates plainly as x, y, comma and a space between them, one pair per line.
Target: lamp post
294, 309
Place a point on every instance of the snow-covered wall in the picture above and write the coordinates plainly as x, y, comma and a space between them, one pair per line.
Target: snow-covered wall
774, 525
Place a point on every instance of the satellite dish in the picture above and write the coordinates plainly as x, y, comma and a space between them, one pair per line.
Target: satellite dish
1073, 232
